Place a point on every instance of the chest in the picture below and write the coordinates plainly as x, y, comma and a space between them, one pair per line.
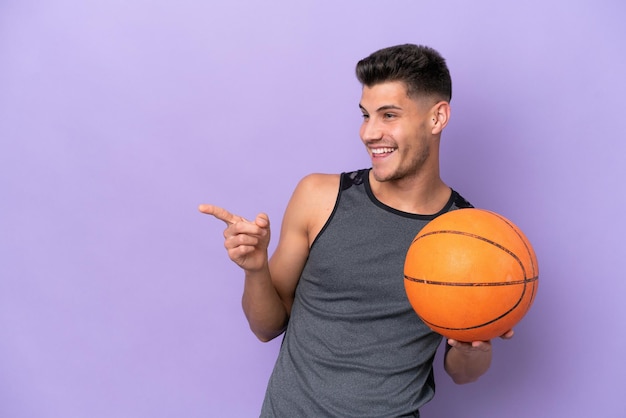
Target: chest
358, 259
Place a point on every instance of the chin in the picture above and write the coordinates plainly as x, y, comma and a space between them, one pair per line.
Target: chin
383, 175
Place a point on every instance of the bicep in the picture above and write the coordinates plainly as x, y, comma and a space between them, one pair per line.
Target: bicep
286, 265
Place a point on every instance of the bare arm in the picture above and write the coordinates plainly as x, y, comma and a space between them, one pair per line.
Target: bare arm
466, 362
270, 284
246, 243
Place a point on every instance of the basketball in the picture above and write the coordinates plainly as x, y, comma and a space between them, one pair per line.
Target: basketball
471, 275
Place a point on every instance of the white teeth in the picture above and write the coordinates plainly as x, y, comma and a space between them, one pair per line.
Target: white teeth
382, 150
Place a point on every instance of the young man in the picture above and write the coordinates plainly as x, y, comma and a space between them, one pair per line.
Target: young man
353, 346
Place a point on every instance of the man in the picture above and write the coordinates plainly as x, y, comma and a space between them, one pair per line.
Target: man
353, 346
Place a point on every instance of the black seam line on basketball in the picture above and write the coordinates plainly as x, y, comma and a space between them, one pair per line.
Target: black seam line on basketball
517, 232
433, 325
469, 234
471, 284
480, 238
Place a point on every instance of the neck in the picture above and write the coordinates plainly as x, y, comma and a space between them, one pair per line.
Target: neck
423, 196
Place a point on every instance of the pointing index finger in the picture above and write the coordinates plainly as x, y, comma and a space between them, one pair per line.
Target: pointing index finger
219, 213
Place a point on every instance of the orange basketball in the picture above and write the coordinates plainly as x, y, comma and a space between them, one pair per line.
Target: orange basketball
471, 275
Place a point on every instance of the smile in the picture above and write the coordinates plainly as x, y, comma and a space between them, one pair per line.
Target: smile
380, 151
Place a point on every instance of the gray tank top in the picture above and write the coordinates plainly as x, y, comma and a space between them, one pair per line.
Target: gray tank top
354, 347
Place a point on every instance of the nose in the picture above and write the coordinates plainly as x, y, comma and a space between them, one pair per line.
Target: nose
370, 130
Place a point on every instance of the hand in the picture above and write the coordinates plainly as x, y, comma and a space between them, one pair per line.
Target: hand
470, 347
473, 346
245, 241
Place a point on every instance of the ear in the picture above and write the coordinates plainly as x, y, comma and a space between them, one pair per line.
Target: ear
440, 115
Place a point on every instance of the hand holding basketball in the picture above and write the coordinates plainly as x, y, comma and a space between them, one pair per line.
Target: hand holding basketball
470, 346
245, 241
477, 345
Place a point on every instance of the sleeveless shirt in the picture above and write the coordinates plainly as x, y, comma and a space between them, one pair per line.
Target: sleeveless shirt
353, 346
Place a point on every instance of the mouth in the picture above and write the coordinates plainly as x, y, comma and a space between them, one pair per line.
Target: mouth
382, 151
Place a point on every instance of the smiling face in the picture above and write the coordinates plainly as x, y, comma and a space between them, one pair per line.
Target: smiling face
400, 133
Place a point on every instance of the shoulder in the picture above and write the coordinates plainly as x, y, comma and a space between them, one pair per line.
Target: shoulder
313, 201
320, 180
319, 184
317, 191
330, 183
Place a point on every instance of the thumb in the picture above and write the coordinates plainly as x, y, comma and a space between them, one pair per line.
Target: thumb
262, 220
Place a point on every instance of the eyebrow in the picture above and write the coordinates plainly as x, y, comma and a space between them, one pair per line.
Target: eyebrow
382, 108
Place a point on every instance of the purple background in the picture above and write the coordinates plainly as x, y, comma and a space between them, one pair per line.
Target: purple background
117, 118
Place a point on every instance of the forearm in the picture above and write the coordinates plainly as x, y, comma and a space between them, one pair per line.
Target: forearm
265, 311
465, 364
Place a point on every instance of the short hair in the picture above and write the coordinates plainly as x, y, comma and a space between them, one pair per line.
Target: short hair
422, 70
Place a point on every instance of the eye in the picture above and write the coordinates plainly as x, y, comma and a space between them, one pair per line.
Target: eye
389, 115
365, 116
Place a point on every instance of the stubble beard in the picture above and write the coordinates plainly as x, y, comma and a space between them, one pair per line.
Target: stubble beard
413, 169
